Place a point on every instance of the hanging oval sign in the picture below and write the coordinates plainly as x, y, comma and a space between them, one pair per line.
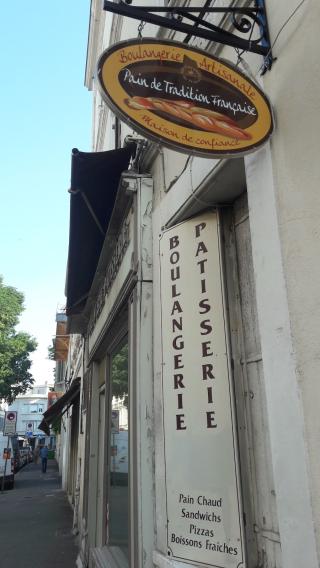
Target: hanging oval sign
184, 98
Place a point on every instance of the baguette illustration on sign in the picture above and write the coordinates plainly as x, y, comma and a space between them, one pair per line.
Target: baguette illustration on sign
184, 98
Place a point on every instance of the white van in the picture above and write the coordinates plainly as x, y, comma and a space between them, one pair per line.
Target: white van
9, 476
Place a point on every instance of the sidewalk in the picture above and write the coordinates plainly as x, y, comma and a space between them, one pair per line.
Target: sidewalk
36, 521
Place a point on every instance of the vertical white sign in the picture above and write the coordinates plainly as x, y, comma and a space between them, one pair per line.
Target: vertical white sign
10, 423
202, 482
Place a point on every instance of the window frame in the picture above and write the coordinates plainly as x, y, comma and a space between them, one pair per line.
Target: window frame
114, 349
131, 315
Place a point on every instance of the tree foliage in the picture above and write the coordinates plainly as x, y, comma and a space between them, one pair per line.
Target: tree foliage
51, 352
15, 347
119, 374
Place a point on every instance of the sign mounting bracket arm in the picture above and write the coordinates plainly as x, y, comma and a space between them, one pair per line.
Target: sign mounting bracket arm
243, 19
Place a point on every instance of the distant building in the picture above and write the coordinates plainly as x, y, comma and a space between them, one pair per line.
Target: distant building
60, 346
60, 356
1, 420
30, 407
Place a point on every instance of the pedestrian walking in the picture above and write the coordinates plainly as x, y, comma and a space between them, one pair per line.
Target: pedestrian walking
44, 458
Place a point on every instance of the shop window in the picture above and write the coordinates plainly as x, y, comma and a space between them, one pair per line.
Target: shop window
118, 526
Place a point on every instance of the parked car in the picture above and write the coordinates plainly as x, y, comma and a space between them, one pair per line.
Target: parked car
16, 463
24, 456
15, 453
30, 454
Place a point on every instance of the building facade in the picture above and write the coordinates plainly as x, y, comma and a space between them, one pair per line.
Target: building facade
30, 408
193, 285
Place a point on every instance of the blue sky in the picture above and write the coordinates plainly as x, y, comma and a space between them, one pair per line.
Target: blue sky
45, 111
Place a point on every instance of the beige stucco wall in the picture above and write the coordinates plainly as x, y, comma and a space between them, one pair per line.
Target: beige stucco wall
294, 88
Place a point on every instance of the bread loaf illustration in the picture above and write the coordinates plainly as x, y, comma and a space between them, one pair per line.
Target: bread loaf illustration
203, 118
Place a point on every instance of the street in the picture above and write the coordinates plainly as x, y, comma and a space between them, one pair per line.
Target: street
36, 521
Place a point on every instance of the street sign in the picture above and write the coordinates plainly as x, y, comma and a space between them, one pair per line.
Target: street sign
6, 453
10, 423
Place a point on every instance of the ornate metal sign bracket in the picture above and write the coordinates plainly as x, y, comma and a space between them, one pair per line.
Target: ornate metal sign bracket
244, 20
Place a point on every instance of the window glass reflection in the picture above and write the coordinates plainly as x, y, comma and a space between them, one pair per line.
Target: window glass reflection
118, 474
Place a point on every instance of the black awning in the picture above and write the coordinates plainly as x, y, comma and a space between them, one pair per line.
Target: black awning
59, 407
95, 178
